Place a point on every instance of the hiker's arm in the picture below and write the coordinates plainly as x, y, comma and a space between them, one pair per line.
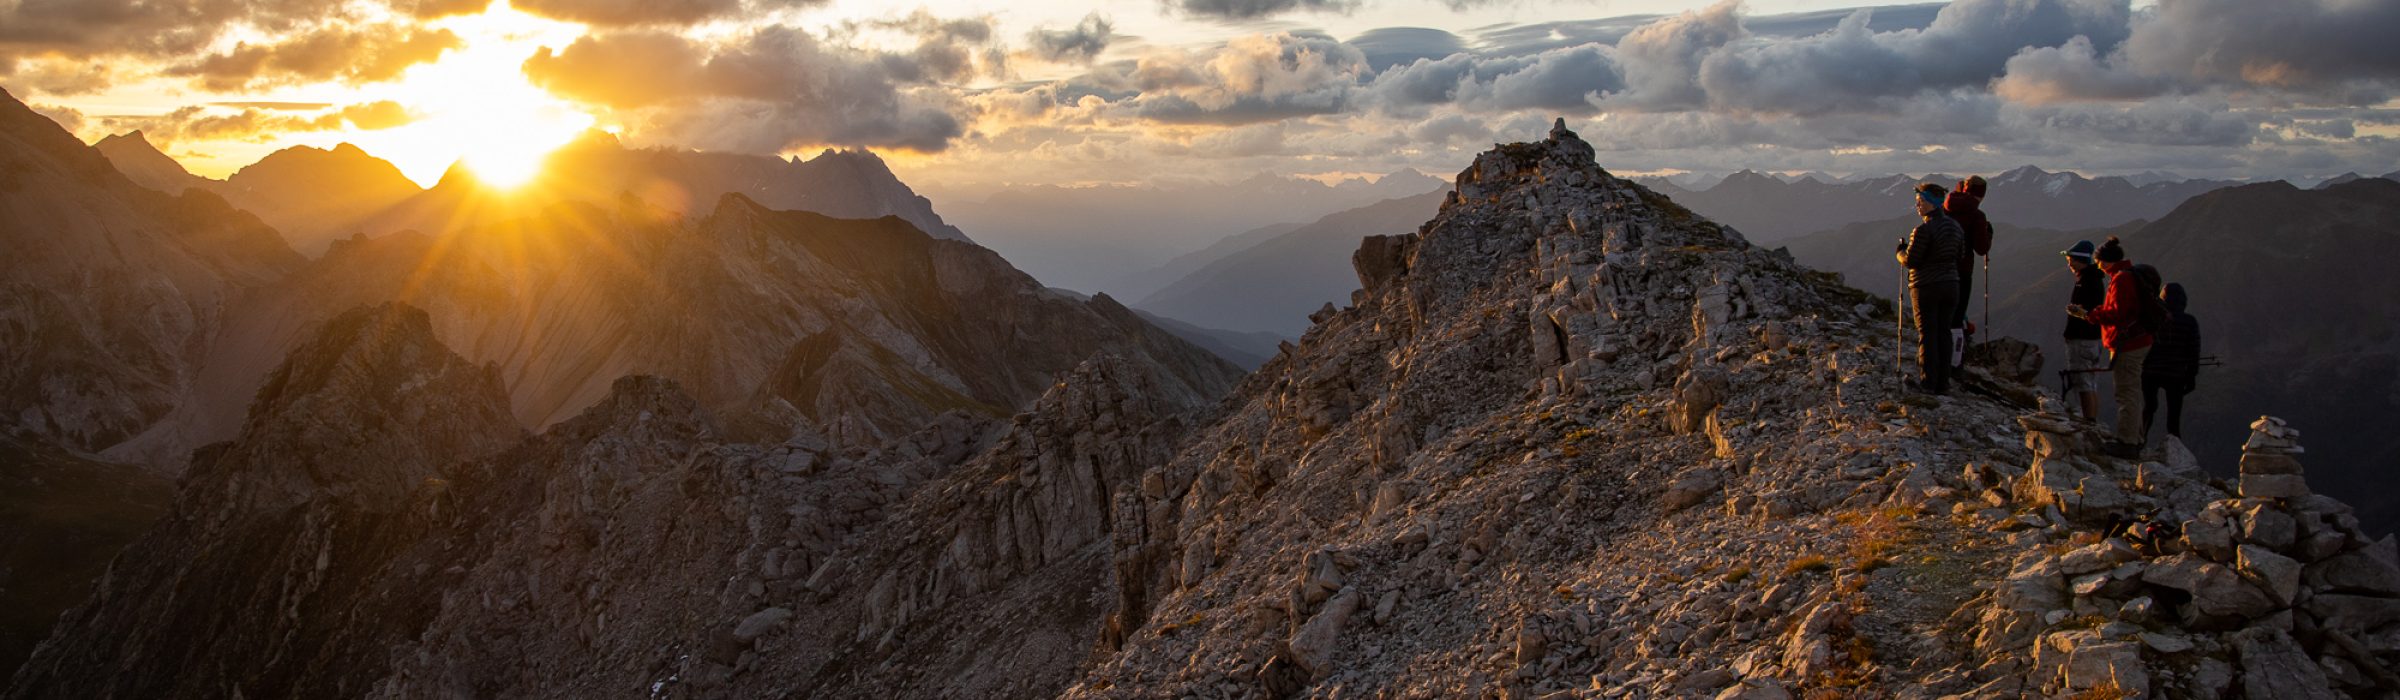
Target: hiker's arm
2113, 312
1908, 251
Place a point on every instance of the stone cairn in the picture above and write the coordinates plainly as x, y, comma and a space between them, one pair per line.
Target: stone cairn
2271, 463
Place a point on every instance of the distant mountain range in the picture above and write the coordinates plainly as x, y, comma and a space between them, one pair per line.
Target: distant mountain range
2293, 290
314, 197
1767, 209
1273, 284
1114, 238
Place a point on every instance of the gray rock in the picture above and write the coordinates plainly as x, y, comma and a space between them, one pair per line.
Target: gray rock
2274, 486
2279, 575
2354, 572
2273, 666
761, 622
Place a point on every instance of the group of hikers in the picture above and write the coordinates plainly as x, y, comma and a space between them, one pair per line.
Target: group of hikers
2151, 343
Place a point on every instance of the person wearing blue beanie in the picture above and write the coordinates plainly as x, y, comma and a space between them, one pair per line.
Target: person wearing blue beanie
1931, 255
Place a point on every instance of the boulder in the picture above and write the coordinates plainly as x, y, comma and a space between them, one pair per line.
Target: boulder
1314, 645
1692, 488
2266, 525
2355, 615
2215, 590
760, 623
2277, 574
2273, 666
2354, 572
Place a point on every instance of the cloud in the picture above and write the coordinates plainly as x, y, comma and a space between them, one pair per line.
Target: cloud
149, 28
1258, 9
351, 54
60, 77
767, 91
1081, 43
629, 13
2328, 49
1251, 79
1399, 46
1559, 81
68, 118
378, 115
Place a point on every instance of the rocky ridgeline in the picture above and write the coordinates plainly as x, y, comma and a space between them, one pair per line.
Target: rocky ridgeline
1568, 441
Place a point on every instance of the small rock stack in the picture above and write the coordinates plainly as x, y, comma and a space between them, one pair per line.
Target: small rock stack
2270, 462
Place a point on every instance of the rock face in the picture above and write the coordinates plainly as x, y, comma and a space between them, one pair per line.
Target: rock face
114, 292
285, 531
1570, 441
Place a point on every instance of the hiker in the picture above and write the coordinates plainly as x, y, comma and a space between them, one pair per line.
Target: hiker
2083, 337
1965, 205
2126, 321
1931, 256
2174, 364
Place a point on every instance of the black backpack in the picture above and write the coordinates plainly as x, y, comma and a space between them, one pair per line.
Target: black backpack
2153, 312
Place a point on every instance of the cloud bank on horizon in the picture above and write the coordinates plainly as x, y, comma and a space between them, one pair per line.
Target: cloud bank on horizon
967, 94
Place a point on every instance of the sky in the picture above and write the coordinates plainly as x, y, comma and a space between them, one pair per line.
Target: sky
967, 96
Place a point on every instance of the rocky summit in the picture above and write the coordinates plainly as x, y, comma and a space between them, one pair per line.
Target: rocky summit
1569, 440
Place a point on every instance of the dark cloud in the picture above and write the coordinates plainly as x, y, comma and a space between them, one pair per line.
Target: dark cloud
150, 28
2336, 49
351, 54
1400, 46
767, 91
1560, 81
1258, 9
62, 77
628, 13
1081, 43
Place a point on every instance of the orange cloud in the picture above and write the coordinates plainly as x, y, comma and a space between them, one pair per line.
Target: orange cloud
351, 54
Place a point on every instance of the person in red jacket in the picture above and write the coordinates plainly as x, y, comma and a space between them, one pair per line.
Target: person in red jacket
2124, 332
1965, 205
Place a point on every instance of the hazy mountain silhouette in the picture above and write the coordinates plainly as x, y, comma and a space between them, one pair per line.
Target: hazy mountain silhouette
1273, 285
1109, 238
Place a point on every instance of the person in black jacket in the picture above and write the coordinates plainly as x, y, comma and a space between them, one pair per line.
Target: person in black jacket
1931, 255
2174, 365
2085, 359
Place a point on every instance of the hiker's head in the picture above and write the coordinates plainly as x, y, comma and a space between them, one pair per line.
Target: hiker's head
2079, 256
2110, 252
1973, 185
1929, 198
2174, 297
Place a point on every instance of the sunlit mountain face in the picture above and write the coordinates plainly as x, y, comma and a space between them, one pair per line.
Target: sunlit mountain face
969, 97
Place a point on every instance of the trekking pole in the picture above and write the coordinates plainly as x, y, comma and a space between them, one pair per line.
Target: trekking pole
1987, 298
1899, 333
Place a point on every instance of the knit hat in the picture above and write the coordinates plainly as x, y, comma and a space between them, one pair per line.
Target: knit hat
2110, 251
2081, 249
2175, 298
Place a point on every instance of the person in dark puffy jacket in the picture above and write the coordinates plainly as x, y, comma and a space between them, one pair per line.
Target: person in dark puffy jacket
2174, 365
1965, 205
1931, 255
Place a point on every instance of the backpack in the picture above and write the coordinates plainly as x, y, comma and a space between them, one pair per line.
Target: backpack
2153, 313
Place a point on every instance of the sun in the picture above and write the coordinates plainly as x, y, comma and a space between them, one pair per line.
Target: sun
475, 105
